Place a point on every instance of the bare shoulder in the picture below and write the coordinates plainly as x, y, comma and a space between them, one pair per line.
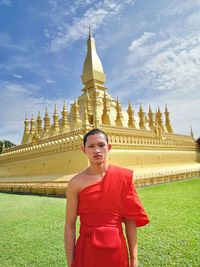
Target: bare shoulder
75, 184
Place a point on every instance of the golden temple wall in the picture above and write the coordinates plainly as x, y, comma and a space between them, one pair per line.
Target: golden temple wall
61, 155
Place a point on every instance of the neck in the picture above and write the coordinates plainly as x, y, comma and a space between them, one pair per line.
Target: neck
98, 168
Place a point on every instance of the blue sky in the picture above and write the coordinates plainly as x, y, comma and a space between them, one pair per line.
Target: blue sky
150, 51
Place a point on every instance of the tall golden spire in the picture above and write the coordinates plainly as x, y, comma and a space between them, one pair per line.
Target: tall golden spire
92, 68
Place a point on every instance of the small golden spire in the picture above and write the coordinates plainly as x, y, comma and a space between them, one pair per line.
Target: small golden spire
141, 117
106, 110
76, 124
46, 121
76, 115
32, 130
119, 116
131, 120
167, 121
39, 125
25, 138
151, 122
55, 119
26, 125
64, 128
159, 120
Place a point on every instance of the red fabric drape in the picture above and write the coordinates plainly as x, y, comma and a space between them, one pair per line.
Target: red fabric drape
102, 208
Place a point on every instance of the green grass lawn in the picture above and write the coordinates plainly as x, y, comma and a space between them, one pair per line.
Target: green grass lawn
31, 228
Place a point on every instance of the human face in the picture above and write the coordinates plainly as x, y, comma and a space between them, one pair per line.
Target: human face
96, 148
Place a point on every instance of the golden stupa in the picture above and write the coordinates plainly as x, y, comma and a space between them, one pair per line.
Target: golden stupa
142, 140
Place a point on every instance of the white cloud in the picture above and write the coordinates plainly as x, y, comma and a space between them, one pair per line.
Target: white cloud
179, 7
17, 76
147, 36
194, 20
95, 16
184, 110
163, 66
19, 100
49, 81
168, 64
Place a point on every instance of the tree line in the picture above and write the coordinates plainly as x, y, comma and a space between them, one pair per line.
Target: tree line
5, 143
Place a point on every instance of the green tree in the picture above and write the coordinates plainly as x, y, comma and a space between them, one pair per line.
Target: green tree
6, 144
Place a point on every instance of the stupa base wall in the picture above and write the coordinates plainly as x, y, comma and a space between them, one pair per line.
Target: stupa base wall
140, 158
65, 164
142, 177
43, 168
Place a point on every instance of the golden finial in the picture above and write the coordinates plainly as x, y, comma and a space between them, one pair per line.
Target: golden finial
90, 32
55, 109
191, 132
64, 106
39, 117
129, 104
46, 112
141, 108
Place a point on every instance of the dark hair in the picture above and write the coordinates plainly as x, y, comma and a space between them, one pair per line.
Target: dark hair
93, 132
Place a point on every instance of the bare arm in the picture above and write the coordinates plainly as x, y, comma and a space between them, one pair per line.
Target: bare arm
131, 234
70, 223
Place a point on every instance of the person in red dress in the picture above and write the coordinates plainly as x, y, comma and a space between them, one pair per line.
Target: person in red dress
104, 197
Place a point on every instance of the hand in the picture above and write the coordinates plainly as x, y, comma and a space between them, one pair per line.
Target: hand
134, 263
